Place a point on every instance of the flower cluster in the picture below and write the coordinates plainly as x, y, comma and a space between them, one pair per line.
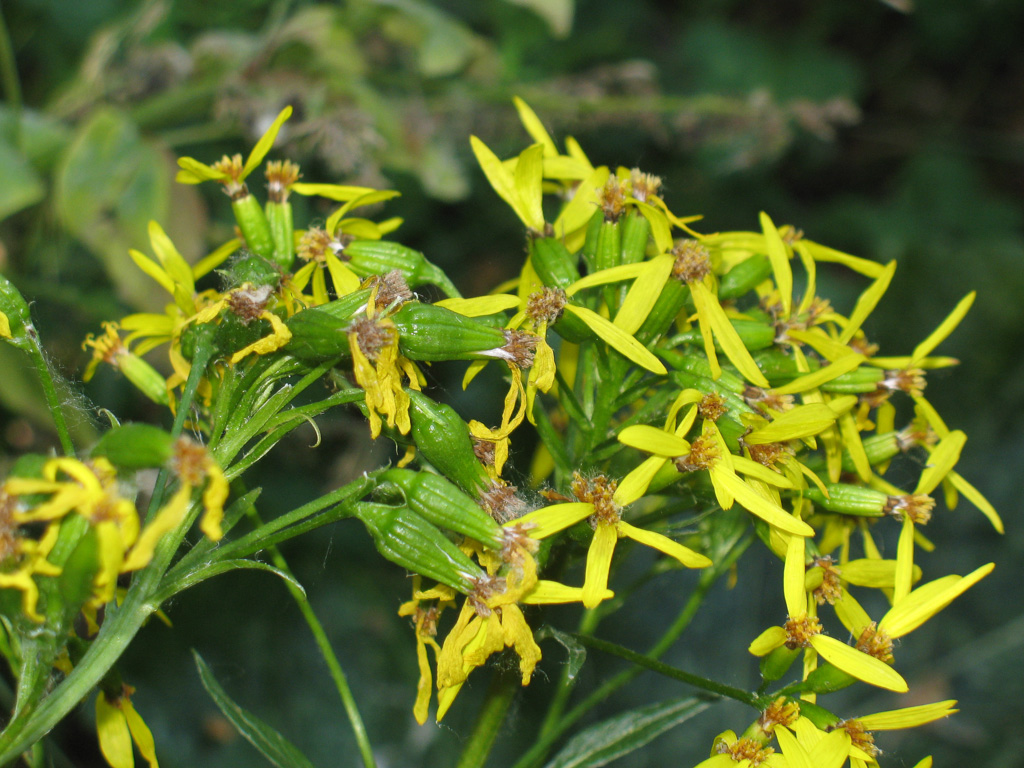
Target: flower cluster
678, 384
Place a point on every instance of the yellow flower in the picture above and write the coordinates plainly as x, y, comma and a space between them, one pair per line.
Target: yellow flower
118, 724
230, 171
109, 348
379, 369
491, 620
730, 751
602, 499
708, 452
804, 631
23, 558
425, 620
323, 250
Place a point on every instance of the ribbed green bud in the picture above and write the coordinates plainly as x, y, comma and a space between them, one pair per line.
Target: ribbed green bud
282, 231
864, 379
321, 333
777, 663
671, 301
849, 499
442, 438
431, 333
443, 504
754, 335
826, 679
636, 232
552, 262
408, 540
378, 257
255, 270
135, 446
821, 717
254, 225
744, 277
698, 365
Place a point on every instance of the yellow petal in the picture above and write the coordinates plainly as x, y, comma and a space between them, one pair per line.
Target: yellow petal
480, 306
622, 342
654, 440
194, 172
821, 376
908, 717
578, 211
266, 142
345, 280
660, 230
557, 517
140, 733
712, 313
209, 263
801, 421
497, 174
684, 555
114, 737
553, 592
858, 664
977, 499
865, 267
927, 600
867, 302
534, 126
599, 560
152, 269
338, 192
529, 193
946, 327
851, 614
605, 276
167, 519
779, 258
750, 500
752, 469
634, 485
768, 641
904, 561
941, 461
820, 342
173, 262
643, 294
793, 577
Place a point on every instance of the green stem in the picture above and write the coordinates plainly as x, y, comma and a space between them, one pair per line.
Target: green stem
121, 625
35, 351
324, 644
492, 715
536, 754
588, 623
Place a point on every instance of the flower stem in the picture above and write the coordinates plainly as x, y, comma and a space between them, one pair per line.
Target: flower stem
492, 715
35, 351
324, 644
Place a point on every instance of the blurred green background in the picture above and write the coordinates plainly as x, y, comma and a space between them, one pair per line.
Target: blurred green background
883, 129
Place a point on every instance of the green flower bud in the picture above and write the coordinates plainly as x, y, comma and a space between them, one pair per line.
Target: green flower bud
636, 232
431, 333
321, 333
744, 277
279, 218
849, 500
378, 257
826, 679
135, 446
866, 378
553, 263
821, 717
443, 439
144, 376
405, 538
253, 223
252, 269
777, 663
443, 504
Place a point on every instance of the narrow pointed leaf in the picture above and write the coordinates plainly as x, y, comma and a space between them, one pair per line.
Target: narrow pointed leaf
271, 744
617, 736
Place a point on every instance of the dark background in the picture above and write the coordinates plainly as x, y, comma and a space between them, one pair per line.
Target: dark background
887, 131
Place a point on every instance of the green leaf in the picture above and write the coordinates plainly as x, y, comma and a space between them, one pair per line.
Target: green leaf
200, 573
577, 653
271, 744
620, 735
109, 185
22, 186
